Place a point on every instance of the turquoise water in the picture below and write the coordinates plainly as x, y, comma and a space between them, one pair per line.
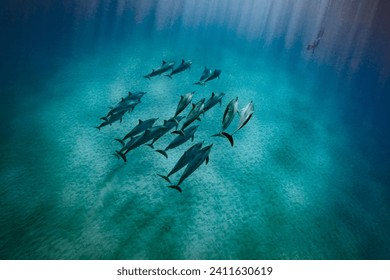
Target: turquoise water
307, 177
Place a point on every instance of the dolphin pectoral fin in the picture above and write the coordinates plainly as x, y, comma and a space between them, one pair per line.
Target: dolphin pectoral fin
228, 137
180, 132
176, 187
120, 141
165, 178
207, 160
247, 120
176, 121
150, 145
122, 155
162, 152
192, 138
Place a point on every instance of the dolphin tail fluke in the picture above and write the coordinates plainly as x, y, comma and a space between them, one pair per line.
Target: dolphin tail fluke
163, 153
104, 118
98, 127
169, 76
166, 178
147, 77
116, 155
122, 155
228, 137
199, 83
180, 132
120, 141
176, 187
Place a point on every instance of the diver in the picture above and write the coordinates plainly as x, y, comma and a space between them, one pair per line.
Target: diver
316, 42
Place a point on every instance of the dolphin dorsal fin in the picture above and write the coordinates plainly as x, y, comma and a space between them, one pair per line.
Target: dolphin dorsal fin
193, 105
122, 98
182, 61
130, 93
139, 121
165, 122
212, 94
164, 62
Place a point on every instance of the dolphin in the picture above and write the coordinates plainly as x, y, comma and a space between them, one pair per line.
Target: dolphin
123, 105
180, 139
205, 74
135, 95
183, 160
111, 119
154, 133
215, 74
184, 101
230, 111
193, 115
128, 145
228, 116
145, 137
245, 115
183, 66
166, 66
140, 127
201, 156
168, 125
213, 100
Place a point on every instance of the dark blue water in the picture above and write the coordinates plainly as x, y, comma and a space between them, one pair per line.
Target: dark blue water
307, 178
